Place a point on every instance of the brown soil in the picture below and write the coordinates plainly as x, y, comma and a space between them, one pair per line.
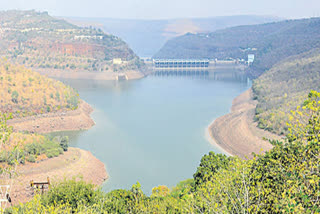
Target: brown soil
237, 133
78, 119
73, 163
131, 75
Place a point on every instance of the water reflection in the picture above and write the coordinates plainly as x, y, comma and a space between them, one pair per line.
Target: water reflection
223, 75
110, 85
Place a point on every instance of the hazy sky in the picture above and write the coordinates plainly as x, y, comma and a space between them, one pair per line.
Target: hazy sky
160, 9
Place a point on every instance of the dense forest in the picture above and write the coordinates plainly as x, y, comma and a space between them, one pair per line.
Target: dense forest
283, 87
271, 43
40, 41
283, 180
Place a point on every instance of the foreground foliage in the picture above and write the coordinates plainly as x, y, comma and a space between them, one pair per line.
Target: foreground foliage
284, 180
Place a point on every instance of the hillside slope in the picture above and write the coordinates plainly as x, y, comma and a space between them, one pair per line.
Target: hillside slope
283, 87
25, 93
270, 42
38, 40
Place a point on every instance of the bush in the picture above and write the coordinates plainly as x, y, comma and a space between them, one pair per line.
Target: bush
72, 193
52, 153
33, 148
31, 158
64, 143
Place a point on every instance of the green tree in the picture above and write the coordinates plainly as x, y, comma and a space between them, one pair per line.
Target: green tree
64, 143
72, 193
209, 165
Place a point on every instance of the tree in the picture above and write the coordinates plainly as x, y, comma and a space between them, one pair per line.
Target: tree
64, 143
209, 165
72, 193
160, 191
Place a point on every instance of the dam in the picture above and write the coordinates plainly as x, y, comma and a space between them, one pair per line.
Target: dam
180, 63
195, 66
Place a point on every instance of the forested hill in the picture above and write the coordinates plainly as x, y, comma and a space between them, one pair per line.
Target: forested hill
146, 37
25, 93
283, 87
270, 43
38, 40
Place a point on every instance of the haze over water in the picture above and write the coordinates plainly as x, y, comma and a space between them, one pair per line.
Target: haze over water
152, 130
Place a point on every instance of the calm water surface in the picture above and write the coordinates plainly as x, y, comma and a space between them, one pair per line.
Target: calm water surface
152, 130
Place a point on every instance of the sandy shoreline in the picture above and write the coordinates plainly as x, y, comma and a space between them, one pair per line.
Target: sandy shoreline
211, 140
78, 119
236, 133
73, 163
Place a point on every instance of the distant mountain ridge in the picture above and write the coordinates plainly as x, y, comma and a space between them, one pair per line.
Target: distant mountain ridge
270, 42
37, 40
146, 37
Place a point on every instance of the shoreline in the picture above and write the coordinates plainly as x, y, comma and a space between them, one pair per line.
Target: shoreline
72, 120
75, 163
212, 141
245, 138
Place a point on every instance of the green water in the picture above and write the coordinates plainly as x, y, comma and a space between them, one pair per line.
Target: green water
153, 130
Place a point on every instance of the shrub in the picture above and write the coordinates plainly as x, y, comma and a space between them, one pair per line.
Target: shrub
31, 158
72, 193
64, 143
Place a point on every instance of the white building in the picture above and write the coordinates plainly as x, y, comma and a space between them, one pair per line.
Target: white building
250, 58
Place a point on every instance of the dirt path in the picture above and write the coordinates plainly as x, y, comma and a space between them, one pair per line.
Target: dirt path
74, 163
236, 133
78, 119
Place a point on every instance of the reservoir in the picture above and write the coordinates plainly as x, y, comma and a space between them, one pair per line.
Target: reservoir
152, 130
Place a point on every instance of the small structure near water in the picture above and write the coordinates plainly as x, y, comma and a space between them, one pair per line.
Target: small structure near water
41, 185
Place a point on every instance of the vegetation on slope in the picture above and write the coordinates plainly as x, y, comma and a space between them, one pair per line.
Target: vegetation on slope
38, 40
24, 92
283, 87
270, 42
31, 147
284, 180
19, 148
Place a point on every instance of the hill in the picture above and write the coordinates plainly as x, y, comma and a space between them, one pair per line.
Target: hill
271, 43
146, 37
25, 93
38, 40
283, 87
